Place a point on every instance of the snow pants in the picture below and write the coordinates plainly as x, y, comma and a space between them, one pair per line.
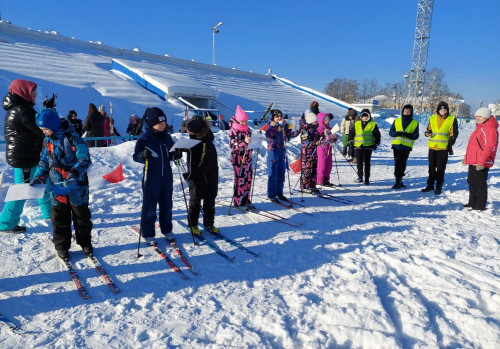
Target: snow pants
437, 166
478, 188
243, 172
324, 166
203, 188
308, 176
62, 215
276, 168
363, 157
12, 210
157, 192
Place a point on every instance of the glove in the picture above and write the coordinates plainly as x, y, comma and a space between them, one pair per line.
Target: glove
479, 167
177, 153
272, 123
146, 154
400, 134
73, 175
37, 180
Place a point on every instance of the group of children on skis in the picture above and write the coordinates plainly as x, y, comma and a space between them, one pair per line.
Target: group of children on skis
65, 160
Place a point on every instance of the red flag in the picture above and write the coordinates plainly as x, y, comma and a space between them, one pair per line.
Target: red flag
115, 176
296, 166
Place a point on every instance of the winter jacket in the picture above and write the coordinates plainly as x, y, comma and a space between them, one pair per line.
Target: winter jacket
63, 153
405, 121
375, 133
77, 125
275, 133
23, 137
453, 131
202, 158
160, 143
94, 127
345, 125
483, 144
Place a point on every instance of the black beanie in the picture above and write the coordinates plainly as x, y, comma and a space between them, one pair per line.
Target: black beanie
195, 124
154, 116
443, 105
366, 111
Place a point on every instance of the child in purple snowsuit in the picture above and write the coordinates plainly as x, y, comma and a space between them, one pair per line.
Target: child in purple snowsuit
310, 138
324, 150
241, 158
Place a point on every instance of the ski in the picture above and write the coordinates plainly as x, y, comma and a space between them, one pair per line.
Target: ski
220, 236
181, 255
82, 291
289, 206
204, 241
267, 111
331, 198
273, 216
4, 322
179, 252
108, 281
171, 264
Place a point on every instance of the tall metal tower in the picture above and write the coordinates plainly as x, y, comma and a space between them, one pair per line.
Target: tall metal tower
416, 77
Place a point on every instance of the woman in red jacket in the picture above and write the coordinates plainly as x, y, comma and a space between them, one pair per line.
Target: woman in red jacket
480, 156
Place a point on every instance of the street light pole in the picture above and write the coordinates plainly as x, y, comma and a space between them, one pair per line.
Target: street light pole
214, 31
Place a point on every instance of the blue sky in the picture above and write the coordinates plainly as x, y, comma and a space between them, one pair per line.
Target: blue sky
309, 42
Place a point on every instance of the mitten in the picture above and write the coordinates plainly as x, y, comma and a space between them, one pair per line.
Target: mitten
146, 154
400, 134
479, 167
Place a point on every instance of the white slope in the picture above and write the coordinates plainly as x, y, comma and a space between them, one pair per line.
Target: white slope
397, 269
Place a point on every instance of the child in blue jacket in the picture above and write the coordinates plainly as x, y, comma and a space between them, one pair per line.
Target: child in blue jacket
157, 185
64, 164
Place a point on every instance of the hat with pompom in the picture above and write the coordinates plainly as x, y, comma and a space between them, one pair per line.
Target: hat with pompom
48, 118
310, 117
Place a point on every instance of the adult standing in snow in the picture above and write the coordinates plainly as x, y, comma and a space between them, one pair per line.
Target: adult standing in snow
24, 143
404, 131
366, 137
77, 123
443, 132
94, 126
107, 124
345, 126
310, 138
480, 156
64, 164
324, 150
277, 133
240, 136
202, 175
157, 184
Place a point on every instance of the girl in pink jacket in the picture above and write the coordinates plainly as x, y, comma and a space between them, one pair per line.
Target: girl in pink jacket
480, 156
324, 150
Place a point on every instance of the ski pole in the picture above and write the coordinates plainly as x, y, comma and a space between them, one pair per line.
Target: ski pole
254, 173
336, 166
287, 167
146, 164
345, 157
185, 200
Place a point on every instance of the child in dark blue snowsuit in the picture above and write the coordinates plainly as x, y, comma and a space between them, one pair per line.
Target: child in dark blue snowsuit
64, 164
152, 149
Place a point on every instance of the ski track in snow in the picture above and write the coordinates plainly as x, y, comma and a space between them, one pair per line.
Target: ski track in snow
401, 269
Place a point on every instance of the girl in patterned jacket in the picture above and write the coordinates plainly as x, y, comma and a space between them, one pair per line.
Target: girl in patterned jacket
241, 159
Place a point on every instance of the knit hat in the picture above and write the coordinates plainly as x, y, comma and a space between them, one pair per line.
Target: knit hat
366, 111
102, 108
275, 112
48, 118
483, 112
443, 105
23, 88
196, 124
154, 116
240, 114
352, 112
310, 117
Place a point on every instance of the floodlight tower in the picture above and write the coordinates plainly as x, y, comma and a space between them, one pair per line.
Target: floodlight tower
416, 77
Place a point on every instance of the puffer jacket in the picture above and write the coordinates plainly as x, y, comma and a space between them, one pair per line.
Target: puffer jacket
483, 144
23, 137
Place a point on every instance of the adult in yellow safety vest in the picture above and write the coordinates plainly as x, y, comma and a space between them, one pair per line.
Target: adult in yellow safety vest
366, 137
443, 131
404, 131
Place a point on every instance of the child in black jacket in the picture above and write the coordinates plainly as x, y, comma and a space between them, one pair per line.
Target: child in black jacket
202, 175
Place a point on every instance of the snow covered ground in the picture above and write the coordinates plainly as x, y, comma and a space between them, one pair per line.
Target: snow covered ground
396, 269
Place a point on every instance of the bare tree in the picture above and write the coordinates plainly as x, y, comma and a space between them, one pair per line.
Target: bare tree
342, 89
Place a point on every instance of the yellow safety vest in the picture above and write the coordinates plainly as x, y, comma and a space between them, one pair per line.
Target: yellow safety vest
364, 137
440, 136
398, 125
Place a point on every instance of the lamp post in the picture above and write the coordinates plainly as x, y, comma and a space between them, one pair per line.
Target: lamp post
214, 31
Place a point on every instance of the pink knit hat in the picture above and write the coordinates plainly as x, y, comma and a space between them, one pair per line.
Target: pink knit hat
240, 114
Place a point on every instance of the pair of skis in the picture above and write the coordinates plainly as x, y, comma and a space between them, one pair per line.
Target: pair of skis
80, 287
270, 215
331, 197
4, 322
